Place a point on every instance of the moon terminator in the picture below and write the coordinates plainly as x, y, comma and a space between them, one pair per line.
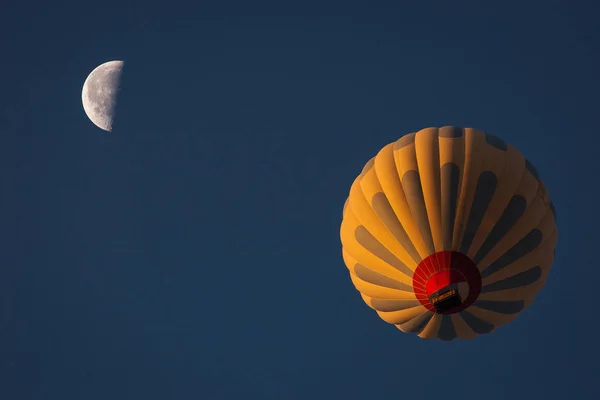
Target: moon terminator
99, 94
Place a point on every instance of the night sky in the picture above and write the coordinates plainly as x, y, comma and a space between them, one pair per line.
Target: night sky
194, 252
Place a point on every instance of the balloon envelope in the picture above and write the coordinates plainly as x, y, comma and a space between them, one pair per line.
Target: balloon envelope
448, 233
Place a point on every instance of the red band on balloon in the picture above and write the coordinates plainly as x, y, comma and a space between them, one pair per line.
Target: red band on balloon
441, 270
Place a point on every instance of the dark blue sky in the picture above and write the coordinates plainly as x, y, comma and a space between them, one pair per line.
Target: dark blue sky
194, 252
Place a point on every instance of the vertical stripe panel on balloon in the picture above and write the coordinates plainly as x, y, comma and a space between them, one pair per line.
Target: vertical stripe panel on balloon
411, 183
428, 160
493, 155
404, 154
511, 214
365, 214
374, 247
406, 163
508, 266
484, 191
371, 187
526, 191
521, 249
527, 222
538, 237
361, 254
452, 148
385, 165
450, 179
474, 140
508, 181
384, 211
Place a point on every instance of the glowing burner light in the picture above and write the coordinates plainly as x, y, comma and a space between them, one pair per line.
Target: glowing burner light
447, 282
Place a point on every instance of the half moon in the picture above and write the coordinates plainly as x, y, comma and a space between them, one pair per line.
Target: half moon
99, 94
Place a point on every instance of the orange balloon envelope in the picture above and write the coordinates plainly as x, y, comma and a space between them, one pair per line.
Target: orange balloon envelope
448, 233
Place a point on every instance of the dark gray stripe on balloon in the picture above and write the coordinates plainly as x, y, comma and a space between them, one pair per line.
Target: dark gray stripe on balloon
515, 209
496, 142
521, 249
501, 307
447, 331
450, 132
450, 174
478, 326
532, 170
378, 279
386, 214
369, 242
417, 324
404, 141
394, 305
411, 183
486, 186
524, 278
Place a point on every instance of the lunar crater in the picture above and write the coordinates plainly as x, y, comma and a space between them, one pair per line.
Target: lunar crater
100, 92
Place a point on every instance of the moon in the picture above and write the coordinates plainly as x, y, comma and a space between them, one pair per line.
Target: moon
99, 94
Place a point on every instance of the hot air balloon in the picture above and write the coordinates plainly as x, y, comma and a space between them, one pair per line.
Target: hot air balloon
448, 233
